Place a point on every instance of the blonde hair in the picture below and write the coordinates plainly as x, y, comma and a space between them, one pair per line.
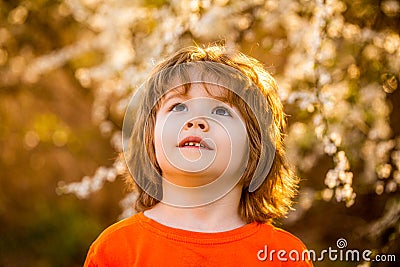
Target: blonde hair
273, 196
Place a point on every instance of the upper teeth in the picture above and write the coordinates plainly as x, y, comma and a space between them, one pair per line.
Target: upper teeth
193, 144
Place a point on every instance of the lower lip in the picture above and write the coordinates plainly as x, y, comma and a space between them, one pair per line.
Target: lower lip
192, 147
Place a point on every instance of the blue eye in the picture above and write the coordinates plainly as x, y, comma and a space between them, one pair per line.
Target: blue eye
179, 107
221, 111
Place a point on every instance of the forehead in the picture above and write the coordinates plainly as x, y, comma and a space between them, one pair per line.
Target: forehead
200, 89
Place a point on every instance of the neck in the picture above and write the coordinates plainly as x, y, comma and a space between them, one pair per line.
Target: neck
218, 216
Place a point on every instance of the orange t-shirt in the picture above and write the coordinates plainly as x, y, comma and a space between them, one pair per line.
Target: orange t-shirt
140, 241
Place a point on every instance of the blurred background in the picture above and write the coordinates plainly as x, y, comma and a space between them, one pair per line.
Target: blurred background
68, 69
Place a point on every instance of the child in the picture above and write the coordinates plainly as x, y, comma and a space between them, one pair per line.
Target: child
207, 160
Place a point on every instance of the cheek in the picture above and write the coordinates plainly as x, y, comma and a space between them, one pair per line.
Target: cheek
158, 145
236, 136
232, 145
166, 133
240, 148
235, 149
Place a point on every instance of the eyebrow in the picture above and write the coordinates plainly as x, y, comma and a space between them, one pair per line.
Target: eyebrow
172, 95
178, 94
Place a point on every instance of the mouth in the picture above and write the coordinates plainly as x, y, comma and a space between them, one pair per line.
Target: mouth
193, 142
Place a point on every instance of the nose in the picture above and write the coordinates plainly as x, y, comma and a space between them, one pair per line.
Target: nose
197, 123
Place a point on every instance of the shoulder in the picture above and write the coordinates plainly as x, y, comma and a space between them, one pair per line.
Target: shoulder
114, 241
128, 225
281, 238
283, 247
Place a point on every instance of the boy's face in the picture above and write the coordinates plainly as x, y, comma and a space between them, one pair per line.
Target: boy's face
198, 138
